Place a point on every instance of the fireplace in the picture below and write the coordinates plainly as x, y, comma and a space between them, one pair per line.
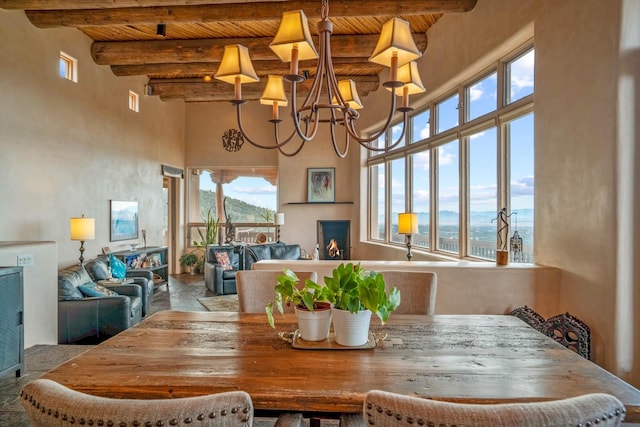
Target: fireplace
334, 239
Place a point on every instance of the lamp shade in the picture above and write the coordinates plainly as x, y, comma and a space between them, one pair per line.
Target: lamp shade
236, 63
279, 218
293, 32
349, 93
407, 223
82, 228
409, 76
395, 38
274, 92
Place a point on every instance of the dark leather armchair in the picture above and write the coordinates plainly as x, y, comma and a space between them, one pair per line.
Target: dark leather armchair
82, 317
216, 278
97, 270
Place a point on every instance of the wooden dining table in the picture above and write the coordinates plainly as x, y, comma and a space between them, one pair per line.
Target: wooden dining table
459, 358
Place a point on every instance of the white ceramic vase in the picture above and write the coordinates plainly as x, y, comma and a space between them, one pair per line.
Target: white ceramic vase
351, 329
314, 326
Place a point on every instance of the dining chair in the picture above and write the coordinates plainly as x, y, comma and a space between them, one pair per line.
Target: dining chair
385, 409
256, 288
48, 403
417, 290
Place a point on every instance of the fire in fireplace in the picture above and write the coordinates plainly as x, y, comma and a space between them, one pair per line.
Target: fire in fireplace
334, 251
334, 239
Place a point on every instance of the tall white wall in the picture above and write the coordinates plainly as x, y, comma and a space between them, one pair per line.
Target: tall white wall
69, 148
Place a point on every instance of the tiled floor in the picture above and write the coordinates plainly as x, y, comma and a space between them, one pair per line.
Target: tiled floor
181, 294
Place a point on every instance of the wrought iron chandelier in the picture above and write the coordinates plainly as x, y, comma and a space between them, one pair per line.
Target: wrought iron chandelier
395, 49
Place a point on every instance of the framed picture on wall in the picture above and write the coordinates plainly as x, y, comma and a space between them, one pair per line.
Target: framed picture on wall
124, 220
321, 185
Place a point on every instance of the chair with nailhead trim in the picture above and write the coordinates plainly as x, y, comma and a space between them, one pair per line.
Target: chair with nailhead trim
384, 409
48, 403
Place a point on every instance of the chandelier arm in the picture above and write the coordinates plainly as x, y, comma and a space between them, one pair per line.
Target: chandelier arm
365, 140
333, 121
369, 147
295, 115
256, 144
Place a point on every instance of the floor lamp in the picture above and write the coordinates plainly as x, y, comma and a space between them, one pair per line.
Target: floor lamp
408, 225
279, 221
82, 229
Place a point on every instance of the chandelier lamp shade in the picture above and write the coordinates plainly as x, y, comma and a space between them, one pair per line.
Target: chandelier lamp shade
329, 100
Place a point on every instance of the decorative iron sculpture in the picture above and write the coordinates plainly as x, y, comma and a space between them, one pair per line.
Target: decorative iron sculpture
232, 140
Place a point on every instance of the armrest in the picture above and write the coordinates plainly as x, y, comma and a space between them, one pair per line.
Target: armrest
131, 290
92, 316
140, 272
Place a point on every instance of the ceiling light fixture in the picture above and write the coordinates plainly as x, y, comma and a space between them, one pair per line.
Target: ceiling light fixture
395, 49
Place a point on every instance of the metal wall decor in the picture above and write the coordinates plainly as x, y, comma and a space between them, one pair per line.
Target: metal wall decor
232, 140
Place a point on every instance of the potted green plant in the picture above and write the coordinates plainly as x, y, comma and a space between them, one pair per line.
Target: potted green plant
355, 295
189, 260
310, 304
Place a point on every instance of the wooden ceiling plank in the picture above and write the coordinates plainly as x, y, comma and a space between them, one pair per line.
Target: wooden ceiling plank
205, 50
236, 13
112, 4
222, 91
263, 68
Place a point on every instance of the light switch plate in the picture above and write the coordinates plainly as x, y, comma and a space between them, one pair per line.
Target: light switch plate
25, 260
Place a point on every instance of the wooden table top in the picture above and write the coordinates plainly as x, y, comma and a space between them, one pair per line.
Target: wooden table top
462, 358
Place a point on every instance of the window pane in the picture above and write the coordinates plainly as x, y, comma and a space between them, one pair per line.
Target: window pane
448, 197
398, 204
421, 196
520, 77
520, 133
483, 193
482, 97
63, 68
377, 180
420, 124
447, 114
396, 131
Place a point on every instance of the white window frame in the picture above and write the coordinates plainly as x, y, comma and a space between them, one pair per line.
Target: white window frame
134, 101
499, 119
71, 67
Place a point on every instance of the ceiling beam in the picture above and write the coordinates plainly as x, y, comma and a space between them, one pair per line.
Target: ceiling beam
110, 4
210, 50
216, 90
263, 68
236, 13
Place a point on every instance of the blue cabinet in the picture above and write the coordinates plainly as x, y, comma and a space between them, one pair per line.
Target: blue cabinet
11, 321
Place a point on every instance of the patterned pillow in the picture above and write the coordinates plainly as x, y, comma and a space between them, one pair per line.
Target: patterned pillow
118, 268
95, 290
223, 259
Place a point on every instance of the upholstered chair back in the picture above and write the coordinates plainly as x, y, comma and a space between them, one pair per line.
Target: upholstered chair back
417, 290
256, 288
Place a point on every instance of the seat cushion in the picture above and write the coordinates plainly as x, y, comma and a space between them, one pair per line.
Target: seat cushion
229, 274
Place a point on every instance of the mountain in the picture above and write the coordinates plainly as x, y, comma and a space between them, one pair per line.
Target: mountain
238, 210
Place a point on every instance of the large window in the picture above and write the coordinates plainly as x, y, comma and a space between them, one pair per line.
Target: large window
473, 159
243, 197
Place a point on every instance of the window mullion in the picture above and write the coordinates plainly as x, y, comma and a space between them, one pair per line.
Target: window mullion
464, 195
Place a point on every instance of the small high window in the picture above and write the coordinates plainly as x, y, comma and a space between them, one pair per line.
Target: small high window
68, 67
134, 101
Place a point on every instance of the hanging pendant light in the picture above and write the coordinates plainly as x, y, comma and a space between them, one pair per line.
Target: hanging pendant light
328, 100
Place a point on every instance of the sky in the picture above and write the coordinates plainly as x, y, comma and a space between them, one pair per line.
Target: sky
482, 151
256, 191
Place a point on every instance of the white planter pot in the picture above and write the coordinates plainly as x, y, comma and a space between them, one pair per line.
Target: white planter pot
314, 326
351, 329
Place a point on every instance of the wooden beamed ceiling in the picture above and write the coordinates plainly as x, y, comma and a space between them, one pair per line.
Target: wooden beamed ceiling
125, 37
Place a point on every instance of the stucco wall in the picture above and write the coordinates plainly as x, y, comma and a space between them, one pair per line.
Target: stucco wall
67, 149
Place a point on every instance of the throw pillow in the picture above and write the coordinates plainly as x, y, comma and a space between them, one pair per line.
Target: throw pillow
94, 290
118, 268
223, 259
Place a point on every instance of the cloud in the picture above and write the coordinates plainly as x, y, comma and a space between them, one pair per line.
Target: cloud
445, 158
476, 92
421, 160
420, 195
522, 187
261, 190
522, 72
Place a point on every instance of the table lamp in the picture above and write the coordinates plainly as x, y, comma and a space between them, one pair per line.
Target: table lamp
279, 221
82, 229
408, 225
